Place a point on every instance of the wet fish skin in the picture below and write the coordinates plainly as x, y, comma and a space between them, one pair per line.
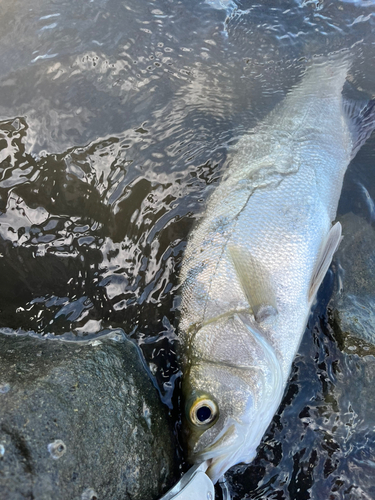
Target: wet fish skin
254, 262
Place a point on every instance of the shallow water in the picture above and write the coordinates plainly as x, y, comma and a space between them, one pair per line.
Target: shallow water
116, 121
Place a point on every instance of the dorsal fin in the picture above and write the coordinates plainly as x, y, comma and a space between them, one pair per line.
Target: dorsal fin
255, 283
325, 257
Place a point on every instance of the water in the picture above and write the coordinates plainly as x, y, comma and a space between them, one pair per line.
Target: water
116, 121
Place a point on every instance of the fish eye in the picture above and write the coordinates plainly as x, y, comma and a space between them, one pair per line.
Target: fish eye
203, 412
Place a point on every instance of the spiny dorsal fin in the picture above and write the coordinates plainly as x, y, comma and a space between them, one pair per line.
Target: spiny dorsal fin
321, 267
255, 283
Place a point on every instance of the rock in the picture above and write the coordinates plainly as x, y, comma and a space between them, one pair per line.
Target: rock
79, 421
353, 304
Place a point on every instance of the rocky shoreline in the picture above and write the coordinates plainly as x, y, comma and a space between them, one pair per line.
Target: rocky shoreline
81, 421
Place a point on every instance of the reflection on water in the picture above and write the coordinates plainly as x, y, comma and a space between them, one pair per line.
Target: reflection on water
116, 121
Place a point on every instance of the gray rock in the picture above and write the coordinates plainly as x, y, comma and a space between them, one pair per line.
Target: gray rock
80, 422
354, 301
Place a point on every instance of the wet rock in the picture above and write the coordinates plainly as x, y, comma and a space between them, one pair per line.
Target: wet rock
80, 422
353, 304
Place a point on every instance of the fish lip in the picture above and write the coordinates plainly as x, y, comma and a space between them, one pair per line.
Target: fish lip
219, 456
212, 470
219, 465
208, 462
217, 468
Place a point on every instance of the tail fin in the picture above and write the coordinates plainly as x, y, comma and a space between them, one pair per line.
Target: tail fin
361, 122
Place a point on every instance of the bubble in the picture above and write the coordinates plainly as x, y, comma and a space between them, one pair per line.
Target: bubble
89, 494
2, 450
4, 388
57, 449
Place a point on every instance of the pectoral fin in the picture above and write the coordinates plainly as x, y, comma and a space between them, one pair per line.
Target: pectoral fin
325, 258
255, 284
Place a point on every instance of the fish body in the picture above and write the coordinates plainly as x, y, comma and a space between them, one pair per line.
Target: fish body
254, 262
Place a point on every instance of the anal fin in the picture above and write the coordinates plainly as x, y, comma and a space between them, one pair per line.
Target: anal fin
325, 258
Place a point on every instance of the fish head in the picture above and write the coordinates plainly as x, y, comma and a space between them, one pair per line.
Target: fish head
217, 415
227, 405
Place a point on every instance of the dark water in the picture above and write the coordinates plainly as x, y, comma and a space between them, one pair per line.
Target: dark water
116, 121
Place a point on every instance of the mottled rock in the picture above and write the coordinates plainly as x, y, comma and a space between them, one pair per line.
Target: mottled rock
80, 421
353, 304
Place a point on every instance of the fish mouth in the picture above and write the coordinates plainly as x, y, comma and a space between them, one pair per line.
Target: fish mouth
218, 466
225, 451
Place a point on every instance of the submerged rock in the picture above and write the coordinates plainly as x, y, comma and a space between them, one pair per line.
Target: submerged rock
80, 422
353, 304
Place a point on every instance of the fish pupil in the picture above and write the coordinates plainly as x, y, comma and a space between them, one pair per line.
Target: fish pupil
203, 413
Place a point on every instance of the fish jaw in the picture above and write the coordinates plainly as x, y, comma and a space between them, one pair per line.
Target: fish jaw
222, 456
221, 464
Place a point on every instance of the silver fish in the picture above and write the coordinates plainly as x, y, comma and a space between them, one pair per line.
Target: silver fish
255, 261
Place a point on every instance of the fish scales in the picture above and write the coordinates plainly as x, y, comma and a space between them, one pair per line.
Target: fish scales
254, 262
292, 230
